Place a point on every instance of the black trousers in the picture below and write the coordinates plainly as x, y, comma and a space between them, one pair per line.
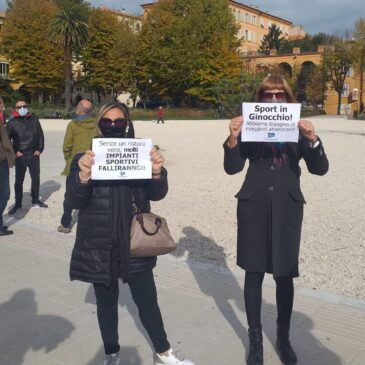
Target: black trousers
21, 164
67, 211
4, 188
253, 298
144, 294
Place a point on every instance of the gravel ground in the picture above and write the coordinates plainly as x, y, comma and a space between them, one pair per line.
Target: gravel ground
201, 208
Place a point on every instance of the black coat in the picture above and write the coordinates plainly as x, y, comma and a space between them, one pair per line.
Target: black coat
270, 204
103, 222
26, 134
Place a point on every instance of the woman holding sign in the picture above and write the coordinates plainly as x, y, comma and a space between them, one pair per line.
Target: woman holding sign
270, 214
101, 254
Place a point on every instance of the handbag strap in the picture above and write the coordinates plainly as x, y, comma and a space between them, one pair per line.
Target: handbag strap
135, 209
158, 224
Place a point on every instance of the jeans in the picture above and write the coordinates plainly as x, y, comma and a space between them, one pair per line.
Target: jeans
4, 188
144, 294
67, 212
21, 164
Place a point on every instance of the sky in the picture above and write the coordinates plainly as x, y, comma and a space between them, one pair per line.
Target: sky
329, 16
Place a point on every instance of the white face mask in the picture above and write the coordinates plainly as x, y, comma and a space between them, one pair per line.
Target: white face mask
23, 111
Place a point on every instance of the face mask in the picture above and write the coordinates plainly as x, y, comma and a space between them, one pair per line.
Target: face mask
113, 132
23, 112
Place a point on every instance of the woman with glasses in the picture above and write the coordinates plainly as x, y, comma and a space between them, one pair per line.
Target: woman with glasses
101, 254
270, 214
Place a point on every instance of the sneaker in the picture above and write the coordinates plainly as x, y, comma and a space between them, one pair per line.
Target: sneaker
63, 229
15, 209
112, 359
170, 359
39, 204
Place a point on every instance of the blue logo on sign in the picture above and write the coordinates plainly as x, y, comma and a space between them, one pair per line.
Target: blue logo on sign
271, 135
121, 173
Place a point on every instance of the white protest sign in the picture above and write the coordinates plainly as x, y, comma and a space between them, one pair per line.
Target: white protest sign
121, 159
270, 122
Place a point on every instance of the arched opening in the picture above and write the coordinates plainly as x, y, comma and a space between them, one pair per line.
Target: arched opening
286, 68
306, 71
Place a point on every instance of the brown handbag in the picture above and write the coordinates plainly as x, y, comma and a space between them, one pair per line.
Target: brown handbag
150, 236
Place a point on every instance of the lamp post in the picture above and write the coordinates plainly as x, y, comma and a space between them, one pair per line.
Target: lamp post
146, 96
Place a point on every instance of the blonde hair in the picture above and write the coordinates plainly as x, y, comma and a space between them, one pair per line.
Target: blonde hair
272, 82
123, 108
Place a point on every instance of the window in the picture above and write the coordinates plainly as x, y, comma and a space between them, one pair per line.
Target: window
350, 72
262, 23
4, 70
345, 90
246, 35
247, 18
254, 20
269, 24
239, 15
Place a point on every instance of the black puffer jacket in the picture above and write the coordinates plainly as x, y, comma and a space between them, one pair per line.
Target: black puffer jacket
26, 134
104, 221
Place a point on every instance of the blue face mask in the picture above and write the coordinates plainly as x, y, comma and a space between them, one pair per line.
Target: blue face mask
23, 111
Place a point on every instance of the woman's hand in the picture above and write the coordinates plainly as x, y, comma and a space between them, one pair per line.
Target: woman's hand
85, 163
235, 126
157, 163
307, 129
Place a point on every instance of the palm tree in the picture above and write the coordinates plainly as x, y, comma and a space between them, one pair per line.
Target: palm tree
273, 39
69, 28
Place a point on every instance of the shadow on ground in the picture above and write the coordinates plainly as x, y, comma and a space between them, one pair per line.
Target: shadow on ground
195, 244
45, 192
22, 329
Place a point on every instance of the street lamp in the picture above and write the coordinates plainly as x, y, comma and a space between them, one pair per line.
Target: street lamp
146, 97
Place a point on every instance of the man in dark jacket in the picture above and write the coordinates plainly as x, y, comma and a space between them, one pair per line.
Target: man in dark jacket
7, 159
26, 134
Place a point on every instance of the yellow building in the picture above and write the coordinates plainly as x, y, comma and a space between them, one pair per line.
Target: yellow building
254, 24
297, 60
134, 21
4, 64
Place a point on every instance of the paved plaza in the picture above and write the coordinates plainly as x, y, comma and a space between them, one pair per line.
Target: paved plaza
46, 319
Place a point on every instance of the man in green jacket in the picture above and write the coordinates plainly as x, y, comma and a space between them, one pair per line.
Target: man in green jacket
79, 134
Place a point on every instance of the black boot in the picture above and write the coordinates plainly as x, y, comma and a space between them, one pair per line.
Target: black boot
256, 351
285, 351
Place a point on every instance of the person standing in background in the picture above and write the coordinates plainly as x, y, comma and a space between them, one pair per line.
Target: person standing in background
78, 137
26, 134
160, 115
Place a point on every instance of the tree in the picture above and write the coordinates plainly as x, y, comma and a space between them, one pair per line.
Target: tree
223, 67
309, 43
69, 29
175, 45
337, 61
316, 87
34, 61
109, 55
273, 39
